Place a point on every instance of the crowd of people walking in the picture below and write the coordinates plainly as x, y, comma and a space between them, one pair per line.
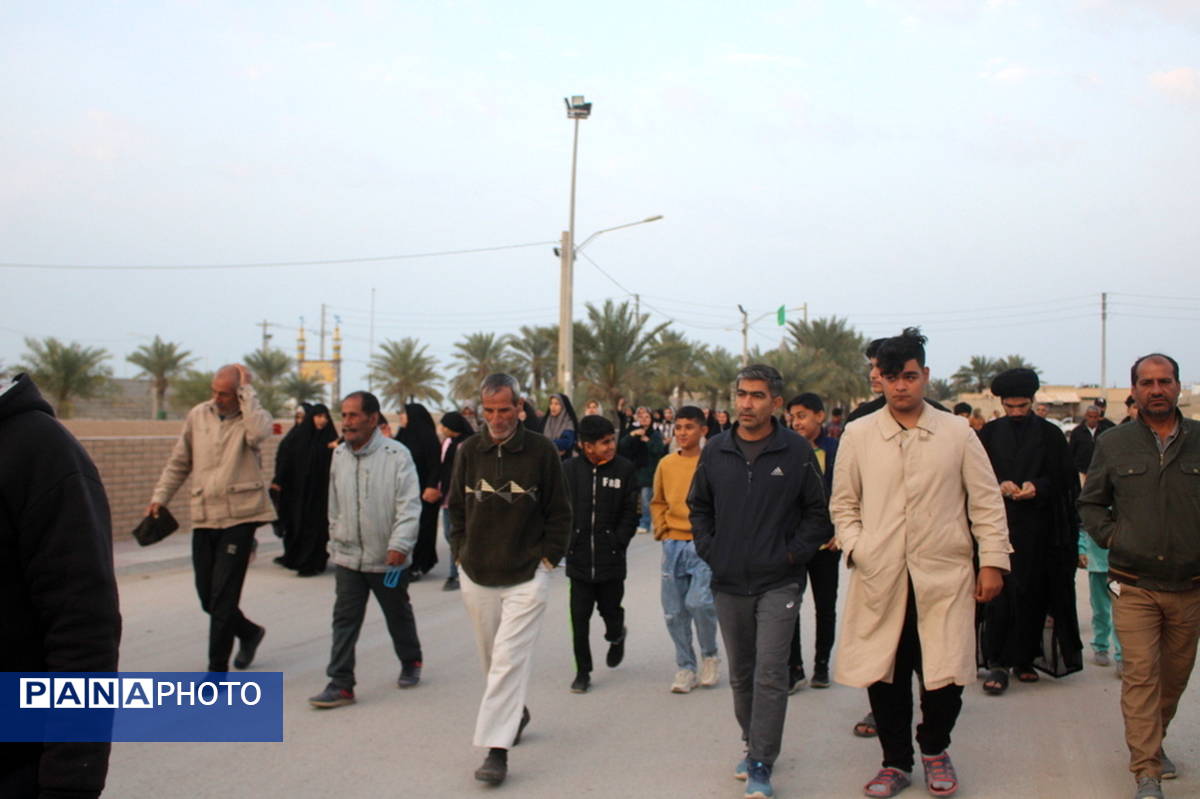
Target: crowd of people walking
960, 544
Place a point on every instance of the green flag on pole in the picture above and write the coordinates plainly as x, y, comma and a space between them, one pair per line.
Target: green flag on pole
781, 316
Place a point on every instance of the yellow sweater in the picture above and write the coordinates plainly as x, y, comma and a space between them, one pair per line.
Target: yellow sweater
669, 509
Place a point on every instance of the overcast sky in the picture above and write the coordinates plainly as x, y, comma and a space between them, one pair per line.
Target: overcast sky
982, 169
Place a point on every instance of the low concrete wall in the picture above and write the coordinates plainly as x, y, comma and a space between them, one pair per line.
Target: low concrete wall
130, 465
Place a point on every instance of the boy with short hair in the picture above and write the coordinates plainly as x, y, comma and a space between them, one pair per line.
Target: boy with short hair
686, 594
603, 491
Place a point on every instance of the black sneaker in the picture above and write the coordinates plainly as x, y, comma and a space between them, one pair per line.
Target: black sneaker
494, 768
332, 696
525, 717
580, 685
410, 674
795, 679
248, 648
616, 650
451, 584
820, 678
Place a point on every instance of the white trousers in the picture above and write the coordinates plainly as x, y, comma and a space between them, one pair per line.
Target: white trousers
507, 621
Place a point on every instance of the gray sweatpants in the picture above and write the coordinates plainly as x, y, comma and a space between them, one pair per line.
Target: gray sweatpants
757, 631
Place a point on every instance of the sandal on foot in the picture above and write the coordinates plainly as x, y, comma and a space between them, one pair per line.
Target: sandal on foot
996, 682
940, 778
1026, 674
888, 782
866, 728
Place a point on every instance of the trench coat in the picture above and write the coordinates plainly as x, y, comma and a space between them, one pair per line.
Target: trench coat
907, 503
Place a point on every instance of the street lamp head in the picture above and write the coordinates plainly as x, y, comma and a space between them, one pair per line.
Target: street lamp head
654, 218
576, 107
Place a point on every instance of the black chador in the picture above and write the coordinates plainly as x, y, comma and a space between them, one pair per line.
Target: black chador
1044, 534
302, 473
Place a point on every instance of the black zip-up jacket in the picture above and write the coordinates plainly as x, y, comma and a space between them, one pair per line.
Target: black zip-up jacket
58, 593
508, 507
757, 525
604, 504
1144, 507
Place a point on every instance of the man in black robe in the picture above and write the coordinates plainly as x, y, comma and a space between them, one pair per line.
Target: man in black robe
1039, 485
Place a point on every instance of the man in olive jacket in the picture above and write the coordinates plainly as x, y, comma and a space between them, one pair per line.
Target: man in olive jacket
509, 525
1141, 502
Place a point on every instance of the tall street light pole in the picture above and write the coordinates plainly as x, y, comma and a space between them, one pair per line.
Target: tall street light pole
577, 109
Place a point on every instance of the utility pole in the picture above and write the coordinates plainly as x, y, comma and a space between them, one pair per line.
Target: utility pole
1103, 340
266, 336
322, 331
371, 340
745, 336
637, 306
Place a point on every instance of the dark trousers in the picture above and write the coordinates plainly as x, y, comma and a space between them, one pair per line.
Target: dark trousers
349, 608
892, 703
220, 558
606, 597
823, 577
756, 630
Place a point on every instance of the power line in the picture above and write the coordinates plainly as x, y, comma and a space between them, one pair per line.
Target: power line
271, 264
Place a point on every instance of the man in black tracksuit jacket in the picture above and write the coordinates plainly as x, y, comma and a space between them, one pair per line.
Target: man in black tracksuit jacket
58, 592
758, 516
603, 490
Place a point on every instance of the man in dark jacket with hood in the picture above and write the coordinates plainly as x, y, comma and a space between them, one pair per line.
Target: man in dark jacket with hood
57, 586
758, 516
603, 490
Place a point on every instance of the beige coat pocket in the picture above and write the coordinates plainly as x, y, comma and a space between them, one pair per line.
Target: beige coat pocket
247, 499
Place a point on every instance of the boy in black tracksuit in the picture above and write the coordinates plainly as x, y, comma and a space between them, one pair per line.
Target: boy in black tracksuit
603, 490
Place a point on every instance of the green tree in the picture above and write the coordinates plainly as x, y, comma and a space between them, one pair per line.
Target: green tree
476, 356
66, 371
673, 369
940, 389
269, 366
1014, 362
405, 372
192, 388
619, 349
534, 354
718, 373
296, 386
975, 375
828, 360
160, 361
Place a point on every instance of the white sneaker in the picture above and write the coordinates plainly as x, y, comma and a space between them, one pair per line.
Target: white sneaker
710, 671
685, 681
1101, 658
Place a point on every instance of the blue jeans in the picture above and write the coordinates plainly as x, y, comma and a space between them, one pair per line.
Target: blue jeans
446, 535
687, 598
647, 493
1102, 626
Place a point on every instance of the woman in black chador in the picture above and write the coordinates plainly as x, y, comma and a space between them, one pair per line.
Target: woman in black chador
418, 433
302, 473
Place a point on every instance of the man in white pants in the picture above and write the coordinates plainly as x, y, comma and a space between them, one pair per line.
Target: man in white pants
509, 526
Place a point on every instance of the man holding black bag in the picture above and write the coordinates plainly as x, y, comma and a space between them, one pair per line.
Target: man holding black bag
220, 448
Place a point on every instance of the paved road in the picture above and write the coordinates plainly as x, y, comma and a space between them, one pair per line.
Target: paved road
628, 737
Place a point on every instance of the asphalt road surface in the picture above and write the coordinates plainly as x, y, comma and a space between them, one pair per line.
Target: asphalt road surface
628, 737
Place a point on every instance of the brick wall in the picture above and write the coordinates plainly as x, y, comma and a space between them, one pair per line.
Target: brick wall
130, 466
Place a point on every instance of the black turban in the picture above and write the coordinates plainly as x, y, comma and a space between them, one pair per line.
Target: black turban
1016, 383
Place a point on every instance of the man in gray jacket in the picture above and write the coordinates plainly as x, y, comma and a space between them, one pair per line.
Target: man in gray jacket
220, 448
374, 509
1141, 502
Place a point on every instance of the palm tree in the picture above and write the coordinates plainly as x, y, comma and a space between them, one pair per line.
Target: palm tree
1014, 362
302, 389
535, 356
192, 388
268, 366
620, 349
66, 371
718, 370
828, 360
160, 361
940, 389
976, 375
404, 372
673, 368
477, 356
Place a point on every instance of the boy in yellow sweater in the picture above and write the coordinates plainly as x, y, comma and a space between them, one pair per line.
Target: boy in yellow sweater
686, 596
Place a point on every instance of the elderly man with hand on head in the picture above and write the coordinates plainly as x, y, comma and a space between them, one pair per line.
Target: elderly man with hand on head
221, 449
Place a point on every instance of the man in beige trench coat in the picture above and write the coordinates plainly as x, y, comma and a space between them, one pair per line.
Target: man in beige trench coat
911, 487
